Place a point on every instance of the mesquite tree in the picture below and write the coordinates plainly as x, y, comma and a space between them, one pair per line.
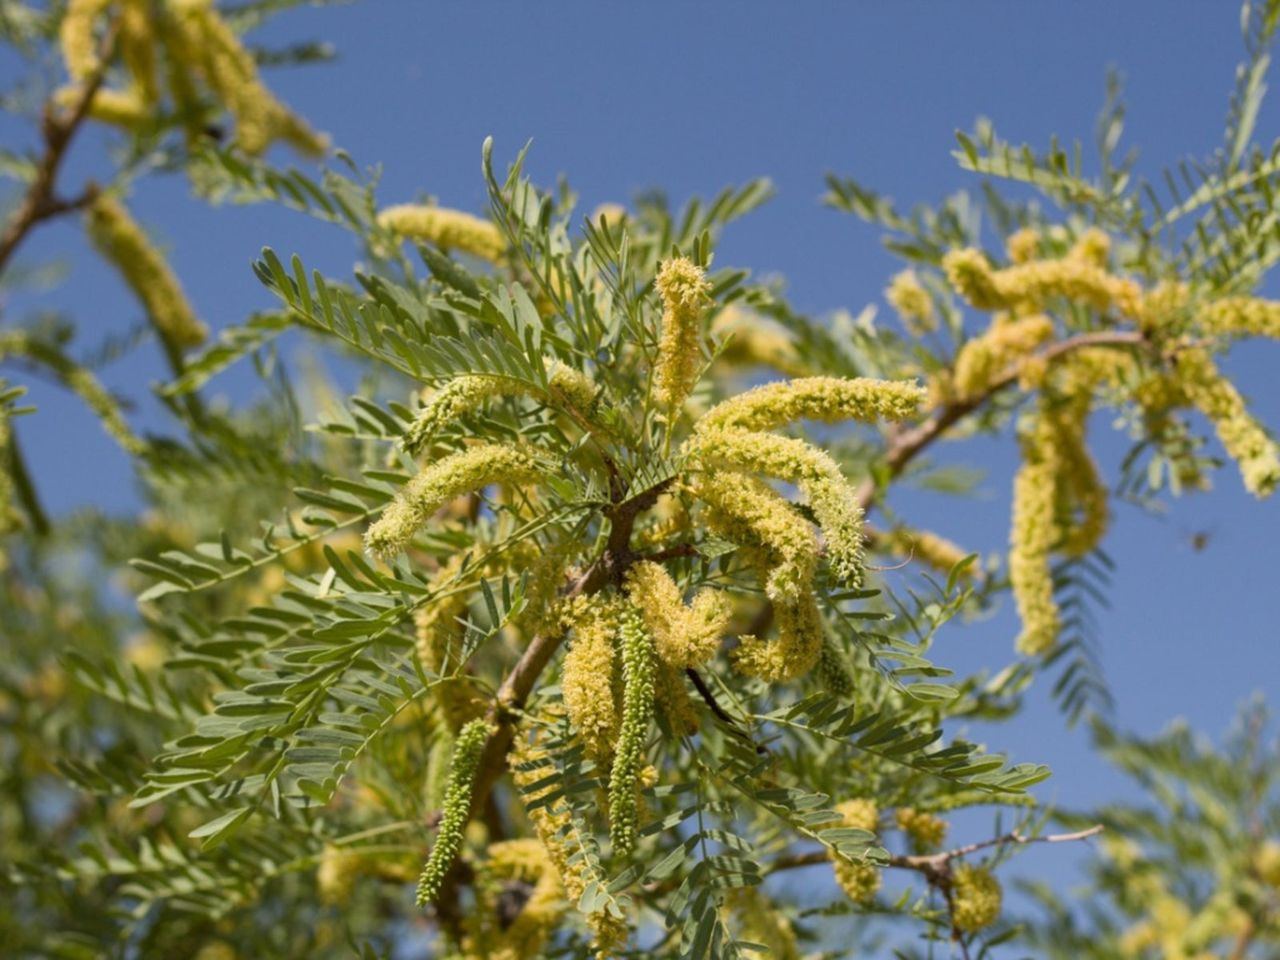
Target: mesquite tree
568, 634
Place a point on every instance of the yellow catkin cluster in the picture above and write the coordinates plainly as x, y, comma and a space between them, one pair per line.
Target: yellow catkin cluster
465, 472
1092, 247
860, 813
912, 302
1081, 498
1241, 317
1243, 437
753, 340
203, 42
859, 881
756, 920
438, 632
553, 824
833, 499
748, 512
975, 898
984, 359
674, 701
1030, 285
727, 436
1033, 533
77, 36
684, 636
124, 244
686, 294
137, 47
120, 108
566, 387
447, 229
934, 551
1266, 863
1022, 246
590, 679
925, 831
824, 399
495, 936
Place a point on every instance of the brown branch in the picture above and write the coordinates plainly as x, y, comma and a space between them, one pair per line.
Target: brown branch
907, 445
936, 867
57, 128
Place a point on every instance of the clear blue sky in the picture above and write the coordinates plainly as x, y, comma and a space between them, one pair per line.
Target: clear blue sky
692, 97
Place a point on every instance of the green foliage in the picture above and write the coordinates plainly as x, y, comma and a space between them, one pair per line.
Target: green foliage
282, 714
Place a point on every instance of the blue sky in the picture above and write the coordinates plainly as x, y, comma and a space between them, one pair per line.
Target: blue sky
693, 97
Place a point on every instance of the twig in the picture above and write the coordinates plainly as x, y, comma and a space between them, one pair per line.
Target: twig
936, 866
58, 129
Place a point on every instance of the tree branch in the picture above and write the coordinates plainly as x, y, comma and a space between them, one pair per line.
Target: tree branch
57, 128
937, 866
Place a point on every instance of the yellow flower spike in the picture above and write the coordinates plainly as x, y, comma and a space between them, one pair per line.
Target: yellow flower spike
1022, 246
77, 37
975, 898
753, 340
120, 108
1031, 284
82, 383
138, 47
685, 294
758, 921
587, 684
337, 873
934, 551
1266, 863
543, 605
638, 669
860, 813
1093, 247
797, 649
912, 302
1241, 317
859, 881
614, 215
834, 501
925, 831
673, 698
498, 937
982, 360
1079, 483
567, 388
1033, 533
123, 243
552, 822
824, 399
438, 644
1245, 440
205, 43
447, 229
970, 275
465, 472
457, 809
684, 636
749, 512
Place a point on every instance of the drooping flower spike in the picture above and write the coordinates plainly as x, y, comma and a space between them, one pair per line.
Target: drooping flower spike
447, 229
457, 809
465, 472
566, 387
